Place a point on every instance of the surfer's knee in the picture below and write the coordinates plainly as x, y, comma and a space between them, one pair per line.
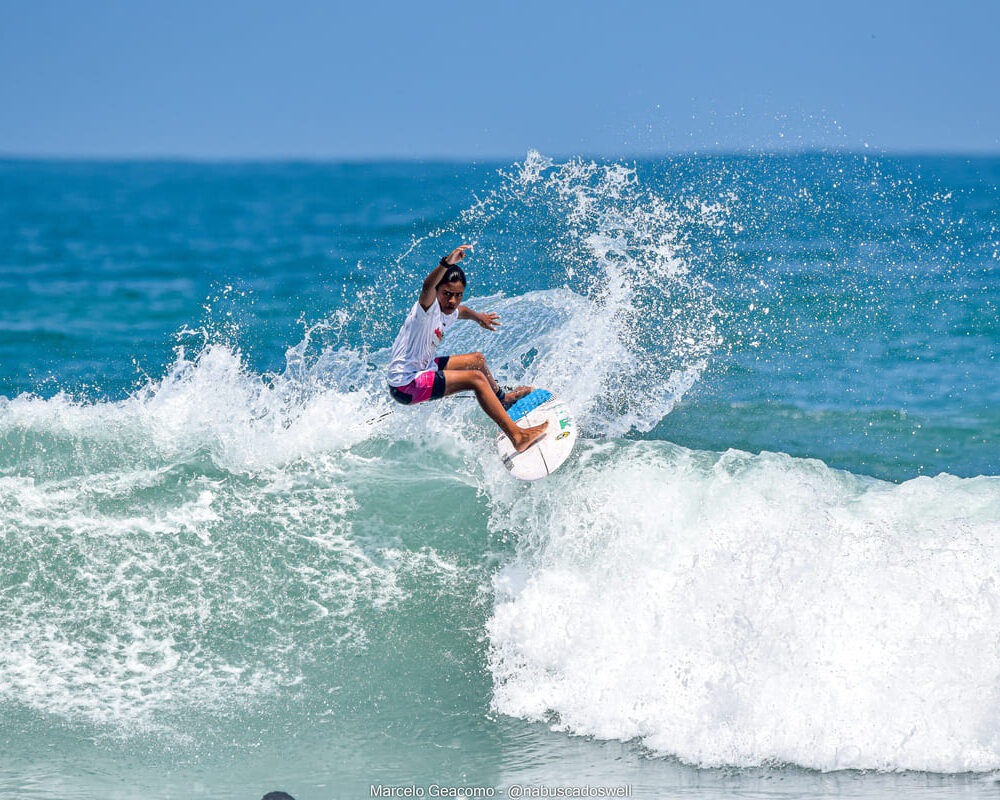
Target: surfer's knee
479, 360
479, 382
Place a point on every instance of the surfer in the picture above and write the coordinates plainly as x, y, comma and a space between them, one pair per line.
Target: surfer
416, 375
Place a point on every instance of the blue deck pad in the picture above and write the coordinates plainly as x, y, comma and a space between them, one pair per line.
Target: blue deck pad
528, 403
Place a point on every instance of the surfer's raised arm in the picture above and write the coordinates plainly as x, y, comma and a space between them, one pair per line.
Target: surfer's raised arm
428, 294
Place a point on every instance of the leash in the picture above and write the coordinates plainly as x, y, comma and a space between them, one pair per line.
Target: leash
391, 411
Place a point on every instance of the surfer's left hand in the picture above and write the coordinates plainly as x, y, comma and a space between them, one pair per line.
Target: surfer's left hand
489, 320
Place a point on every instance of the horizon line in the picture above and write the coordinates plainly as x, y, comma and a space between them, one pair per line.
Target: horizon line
493, 158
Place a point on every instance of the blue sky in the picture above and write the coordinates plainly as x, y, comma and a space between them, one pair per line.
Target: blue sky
435, 79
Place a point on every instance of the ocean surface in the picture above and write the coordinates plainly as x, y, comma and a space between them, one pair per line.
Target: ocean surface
770, 569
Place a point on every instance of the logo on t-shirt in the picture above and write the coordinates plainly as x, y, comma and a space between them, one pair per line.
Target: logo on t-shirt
437, 332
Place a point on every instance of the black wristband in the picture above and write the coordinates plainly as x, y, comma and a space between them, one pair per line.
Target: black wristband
444, 262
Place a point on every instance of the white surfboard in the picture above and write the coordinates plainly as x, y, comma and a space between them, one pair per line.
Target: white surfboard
546, 454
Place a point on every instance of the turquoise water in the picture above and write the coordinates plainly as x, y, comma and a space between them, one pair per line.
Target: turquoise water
770, 567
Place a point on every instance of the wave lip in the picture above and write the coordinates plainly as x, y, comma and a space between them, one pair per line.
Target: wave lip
752, 609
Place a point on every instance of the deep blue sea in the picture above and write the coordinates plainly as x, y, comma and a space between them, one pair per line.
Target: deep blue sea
771, 567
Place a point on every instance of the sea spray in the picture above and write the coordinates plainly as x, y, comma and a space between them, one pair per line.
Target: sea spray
605, 264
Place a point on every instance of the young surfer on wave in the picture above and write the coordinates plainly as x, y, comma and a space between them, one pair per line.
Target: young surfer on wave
415, 375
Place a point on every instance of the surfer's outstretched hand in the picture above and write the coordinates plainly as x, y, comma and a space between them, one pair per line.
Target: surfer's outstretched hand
489, 320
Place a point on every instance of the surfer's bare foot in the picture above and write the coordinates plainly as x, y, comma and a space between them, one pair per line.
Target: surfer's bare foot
514, 395
529, 436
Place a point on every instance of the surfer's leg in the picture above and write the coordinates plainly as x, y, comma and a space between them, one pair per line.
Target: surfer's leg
477, 361
463, 380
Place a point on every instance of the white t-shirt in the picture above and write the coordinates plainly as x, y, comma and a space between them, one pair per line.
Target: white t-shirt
417, 342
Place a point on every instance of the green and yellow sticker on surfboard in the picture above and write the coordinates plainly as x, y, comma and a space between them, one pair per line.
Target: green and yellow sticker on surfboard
549, 452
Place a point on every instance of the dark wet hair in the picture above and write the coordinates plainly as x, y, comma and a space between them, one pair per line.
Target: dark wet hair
452, 274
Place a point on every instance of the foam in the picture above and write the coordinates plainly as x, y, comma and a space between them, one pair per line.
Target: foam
743, 610
131, 588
